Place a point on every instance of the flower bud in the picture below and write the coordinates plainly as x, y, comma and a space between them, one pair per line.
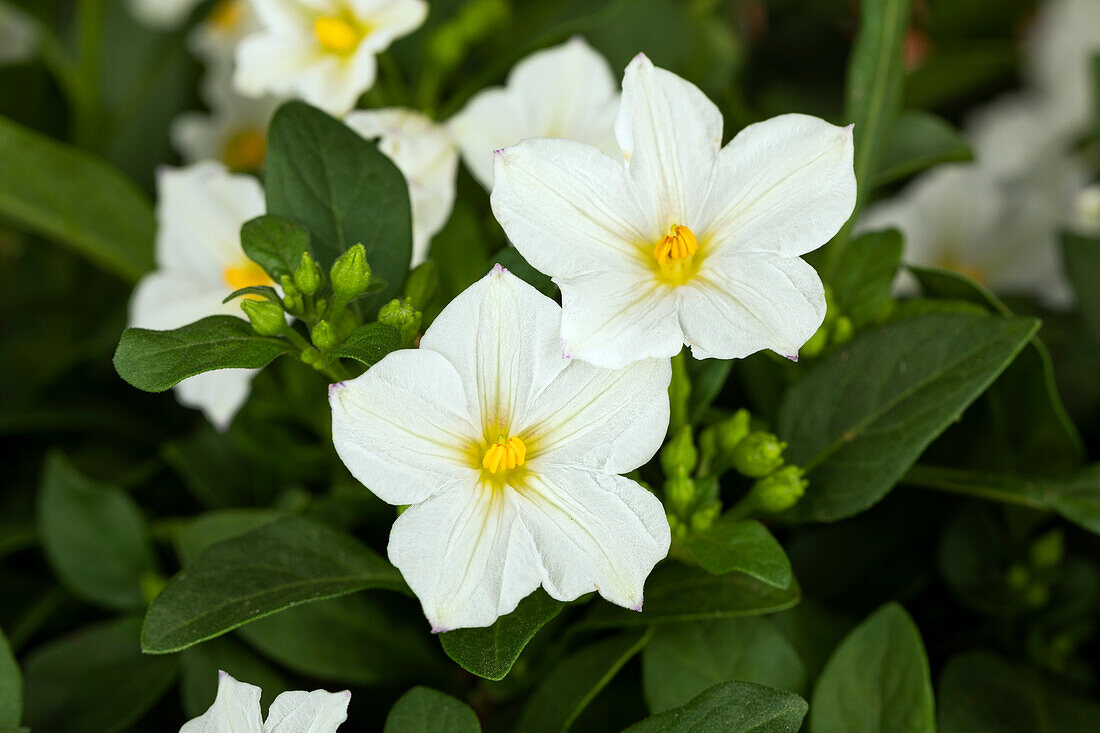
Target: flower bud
311, 356
815, 344
679, 456
289, 288
729, 433
401, 315
780, 490
324, 336
758, 454
350, 273
1017, 577
422, 283
308, 277
1048, 550
266, 317
678, 528
680, 492
843, 330
704, 517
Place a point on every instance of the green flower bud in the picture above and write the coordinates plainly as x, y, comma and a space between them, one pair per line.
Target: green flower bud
1017, 577
679, 457
324, 336
266, 317
678, 528
843, 330
815, 344
703, 519
1048, 550
151, 583
289, 288
311, 356
781, 490
350, 273
729, 433
308, 277
708, 447
1037, 595
680, 492
422, 283
401, 315
758, 454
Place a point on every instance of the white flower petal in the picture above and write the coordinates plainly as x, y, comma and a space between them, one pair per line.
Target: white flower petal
219, 394
267, 62
784, 185
18, 36
465, 556
390, 19
162, 13
402, 428
236, 709
593, 531
307, 712
334, 84
753, 302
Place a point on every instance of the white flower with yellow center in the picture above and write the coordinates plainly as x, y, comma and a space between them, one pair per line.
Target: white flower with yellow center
215, 39
509, 456
200, 210
567, 91
687, 242
321, 50
236, 709
162, 13
423, 152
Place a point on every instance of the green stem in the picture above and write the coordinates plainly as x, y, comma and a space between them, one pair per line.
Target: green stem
86, 113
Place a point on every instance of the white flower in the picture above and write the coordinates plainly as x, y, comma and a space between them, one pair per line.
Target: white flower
1061, 45
509, 455
322, 50
162, 13
236, 709
424, 153
1086, 211
1013, 134
18, 36
688, 241
567, 91
200, 210
215, 39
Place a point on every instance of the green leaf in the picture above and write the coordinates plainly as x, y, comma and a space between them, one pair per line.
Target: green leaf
215, 472
572, 683
154, 361
683, 660
199, 667
876, 680
862, 416
369, 343
746, 547
423, 710
275, 244
677, 592
77, 199
510, 259
490, 652
918, 140
343, 189
265, 291
11, 686
708, 376
960, 69
1082, 266
94, 536
195, 536
248, 577
862, 283
731, 707
95, 680
979, 691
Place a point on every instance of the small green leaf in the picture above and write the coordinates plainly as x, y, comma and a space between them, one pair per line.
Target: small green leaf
490, 652
11, 686
574, 681
265, 291
369, 343
746, 547
275, 244
199, 667
94, 536
877, 680
1082, 256
248, 577
683, 660
423, 710
916, 141
863, 281
731, 707
154, 361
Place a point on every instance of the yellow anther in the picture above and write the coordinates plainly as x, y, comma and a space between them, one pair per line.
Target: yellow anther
245, 275
245, 151
227, 14
504, 455
679, 244
337, 34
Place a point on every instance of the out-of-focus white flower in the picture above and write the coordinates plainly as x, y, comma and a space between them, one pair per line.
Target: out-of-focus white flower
18, 36
236, 709
688, 242
200, 210
321, 50
215, 39
509, 456
424, 153
1014, 133
1060, 48
162, 13
567, 91
1086, 211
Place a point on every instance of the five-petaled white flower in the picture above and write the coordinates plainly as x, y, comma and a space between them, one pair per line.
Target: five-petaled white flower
215, 39
200, 210
424, 153
236, 709
509, 456
567, 91
687, 242
322, 50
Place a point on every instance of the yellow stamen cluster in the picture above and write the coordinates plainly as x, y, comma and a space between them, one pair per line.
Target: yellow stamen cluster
680, 244
504, 454
245, 151
227, 14
337, 34
245, 275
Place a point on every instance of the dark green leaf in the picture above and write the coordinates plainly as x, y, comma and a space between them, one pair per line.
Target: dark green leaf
275, 244
77, 199
95, 680
708, 376
731, 707
199, 667
193, 537
369, 343
876, 680
1082, 265
576, 679
215, 472
862, 283
264, 291
11, 686
746, 547
343, 189
919, 140
423, 710
683, 660
158, 360
94, 536
256, 574
862, 416
960, 69
490, 652
510, 259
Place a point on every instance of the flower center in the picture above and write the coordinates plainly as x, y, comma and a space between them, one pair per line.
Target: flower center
338, 34
245, 150
949, 262
675, 255
504, 455
227, 14
245, 275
